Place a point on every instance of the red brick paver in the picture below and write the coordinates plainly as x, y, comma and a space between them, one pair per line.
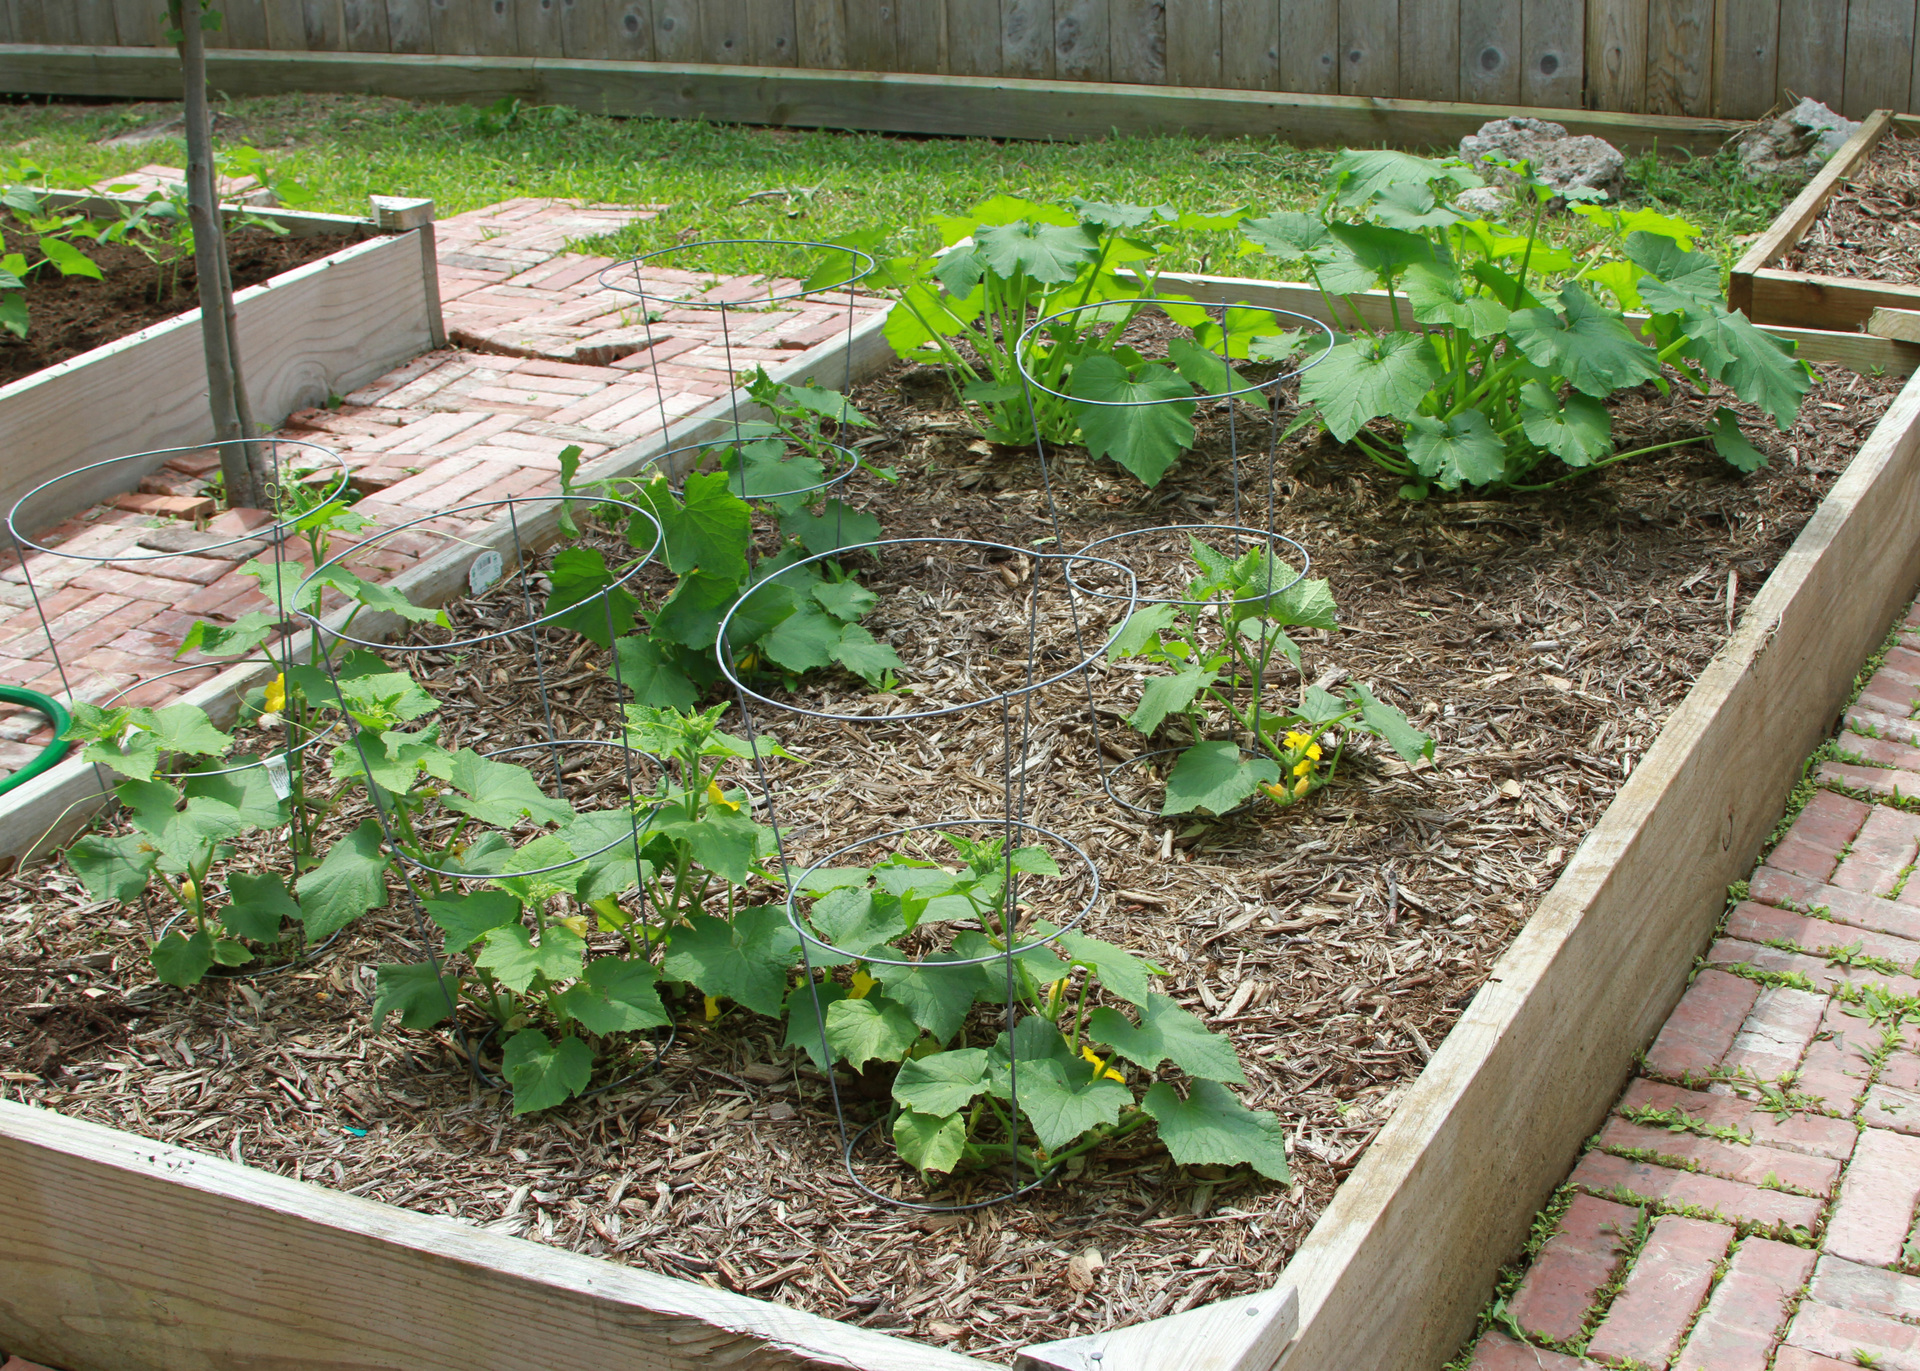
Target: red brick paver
474, 424
1573, 1266
1782, 1098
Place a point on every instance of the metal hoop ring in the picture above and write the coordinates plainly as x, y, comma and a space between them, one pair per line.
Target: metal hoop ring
1306, 560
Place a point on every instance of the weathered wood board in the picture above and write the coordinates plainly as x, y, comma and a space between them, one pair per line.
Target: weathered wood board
902, 103
317, 330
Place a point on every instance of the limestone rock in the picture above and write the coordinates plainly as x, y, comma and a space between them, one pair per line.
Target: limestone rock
1563, 160
1795, 144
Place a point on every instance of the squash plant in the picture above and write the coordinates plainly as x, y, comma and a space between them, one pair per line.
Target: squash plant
1501, 349
1220, 646
1010, 263
969, 1091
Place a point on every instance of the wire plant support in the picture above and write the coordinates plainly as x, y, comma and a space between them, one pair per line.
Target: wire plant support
1009, 928
555, 755
1240, 330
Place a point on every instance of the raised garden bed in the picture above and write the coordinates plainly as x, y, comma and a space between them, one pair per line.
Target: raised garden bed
1322, 489
1845, 246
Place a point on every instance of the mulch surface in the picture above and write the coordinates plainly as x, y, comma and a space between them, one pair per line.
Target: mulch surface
1542, 639
1870, 228
69, 315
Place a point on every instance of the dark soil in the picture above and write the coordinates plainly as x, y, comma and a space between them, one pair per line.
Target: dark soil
1542, 640
69, 315
1870, 228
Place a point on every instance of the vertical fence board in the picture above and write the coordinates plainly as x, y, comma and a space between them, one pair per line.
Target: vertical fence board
93, 23
1879, 56
44, 21
1813, 51
541, 28
496, 27
364, 28
136, 24
453, 25
1137, 41
1370, 46
1430, 50
1490, 51
821, 27
1552, 53
973, 37
286, 28
323, 24
1026, 37
1193, 43
873, 36
1250, 44
1679, 53
409, 26
1617, 54
1080, 40
1746, 57
1310, 46
922, 29
676, 31
725, 31
771, 39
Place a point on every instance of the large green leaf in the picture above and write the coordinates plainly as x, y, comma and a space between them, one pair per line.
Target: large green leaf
866, 656
1386, 252
1439, 295
1578, 431
185, 728
1215, 776
1048, 253
516, 961
1363, 173
721, 840
384, 699
1121, 973
617, 995
745, 960
1307, 604
1287, 234
181, 958
924, 314
929, 1143
1391, 726
937, 996
416, 991
1370, 378
654, 680
1589, 344
116, 868
869, 1028
836, 526
707, 529
1143, 421
691, 615
845, 600
803, 641
1140, 629
1756, 366
1059, 1108
544, 1073
258, 907
804, 1028
1450, 451
248, 791
1167, 1032
466, 919
942, 1082
1212, 1128
1412, 207
582, 582
858, 921
1732, 444
1682, 280
350, 881
1164, 695
237, 639
379, 597
500, 793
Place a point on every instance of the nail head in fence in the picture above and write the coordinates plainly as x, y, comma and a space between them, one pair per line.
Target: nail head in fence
724, 652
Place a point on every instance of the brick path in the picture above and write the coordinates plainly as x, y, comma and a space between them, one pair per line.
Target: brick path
546, 356
1750, 1202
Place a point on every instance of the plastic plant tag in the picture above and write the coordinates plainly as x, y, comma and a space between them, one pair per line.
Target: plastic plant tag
484, 571
278, 777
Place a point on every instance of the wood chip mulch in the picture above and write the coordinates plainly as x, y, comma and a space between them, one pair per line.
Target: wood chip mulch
1542, 639
1870, 228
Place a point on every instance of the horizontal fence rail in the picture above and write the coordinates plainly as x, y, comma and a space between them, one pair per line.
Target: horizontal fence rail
1721, 58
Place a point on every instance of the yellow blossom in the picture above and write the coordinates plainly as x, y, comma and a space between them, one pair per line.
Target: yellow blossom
1313, 751
1305, 783
861, 984
276, 694
1305, 765
1277, 793
577, 922
1298, 740
713, 1007
715, 795
189, 894
1100, 1066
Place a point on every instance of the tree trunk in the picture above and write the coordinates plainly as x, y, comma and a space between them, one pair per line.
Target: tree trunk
226, 397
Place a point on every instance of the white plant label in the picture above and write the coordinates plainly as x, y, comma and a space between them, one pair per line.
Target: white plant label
277, 776
484, 571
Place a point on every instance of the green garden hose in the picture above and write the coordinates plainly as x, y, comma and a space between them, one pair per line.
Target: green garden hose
56, 715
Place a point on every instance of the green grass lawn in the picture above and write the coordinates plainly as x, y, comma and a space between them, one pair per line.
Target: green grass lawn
722, 181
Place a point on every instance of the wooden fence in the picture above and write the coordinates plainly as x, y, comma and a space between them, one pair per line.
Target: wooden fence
1728, 58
